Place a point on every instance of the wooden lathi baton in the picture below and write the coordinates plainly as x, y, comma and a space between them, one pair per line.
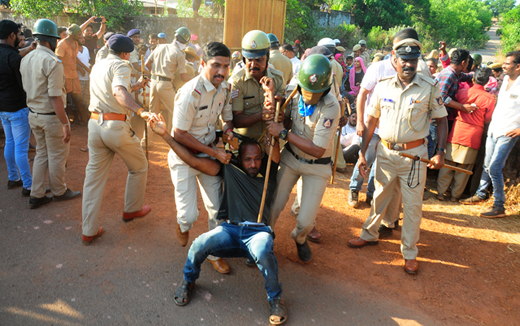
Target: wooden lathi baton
144, 105
338, 144
451, 167
282, 109
268, 170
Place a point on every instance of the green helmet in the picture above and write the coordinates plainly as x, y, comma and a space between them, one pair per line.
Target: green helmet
255, 44
362, 42
45, 27
477, 59
184, 34
273, 39
315, 73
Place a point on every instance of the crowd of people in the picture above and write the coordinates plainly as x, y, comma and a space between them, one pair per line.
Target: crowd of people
297, 105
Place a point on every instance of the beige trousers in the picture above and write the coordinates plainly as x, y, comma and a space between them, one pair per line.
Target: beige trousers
446, 176
341, 160
185, 180
51, 154
314, 182
162, 98
393, 171
103, 142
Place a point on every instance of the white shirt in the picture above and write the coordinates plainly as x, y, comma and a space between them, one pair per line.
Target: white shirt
84, 57
506, 116
296, 64
349, 136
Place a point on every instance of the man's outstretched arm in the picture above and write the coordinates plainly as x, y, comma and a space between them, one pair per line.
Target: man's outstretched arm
203, 164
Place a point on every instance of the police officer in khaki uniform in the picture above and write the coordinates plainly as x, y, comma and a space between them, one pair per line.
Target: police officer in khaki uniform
109, 132
135, 35
402, 105
246, 92
364, 53
43, 81
103, 52
198, 105
278, 60
336, 66
163, 63
315, 115
191, 57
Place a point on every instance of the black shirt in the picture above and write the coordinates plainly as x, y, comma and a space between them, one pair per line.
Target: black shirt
243, 194
92, 47
12, 95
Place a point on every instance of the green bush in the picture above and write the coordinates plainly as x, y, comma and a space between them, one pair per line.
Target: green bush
510, 23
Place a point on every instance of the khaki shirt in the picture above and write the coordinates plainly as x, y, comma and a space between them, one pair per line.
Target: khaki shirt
104, 77
43, 77
281, 63
338, 70
198, 105
177, 81
134, 58
102, 53
320, 127
166, 59
404, 114
248, 97
366, 58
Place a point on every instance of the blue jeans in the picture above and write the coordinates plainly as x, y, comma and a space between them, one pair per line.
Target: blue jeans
356, 181
432, 141
228, 240
497, 151
17, 132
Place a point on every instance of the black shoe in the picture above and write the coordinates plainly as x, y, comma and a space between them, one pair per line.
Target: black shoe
494, 212
304, 251
384, 231
67, 195
353, 198
26, 192
37, 202
369, 200
14, 184
250, 262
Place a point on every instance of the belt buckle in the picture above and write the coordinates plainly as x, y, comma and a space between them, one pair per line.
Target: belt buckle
302, 160
396, 147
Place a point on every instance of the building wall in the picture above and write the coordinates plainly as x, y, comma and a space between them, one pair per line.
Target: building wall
335, 18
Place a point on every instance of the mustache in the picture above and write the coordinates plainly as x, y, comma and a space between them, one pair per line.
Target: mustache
254, 69
219, 76
408, 69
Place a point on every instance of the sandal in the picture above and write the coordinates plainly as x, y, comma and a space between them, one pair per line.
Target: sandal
183, 293
278, 313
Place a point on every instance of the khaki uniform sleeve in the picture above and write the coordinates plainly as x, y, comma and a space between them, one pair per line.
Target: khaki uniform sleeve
55, 80
438, 109
375, 107
122, 76
181, 63
237, 103
185, 110
134, 56
327, 125
280, 84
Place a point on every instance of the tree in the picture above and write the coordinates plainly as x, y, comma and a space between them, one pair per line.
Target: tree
500, 7
384, 13
35, 9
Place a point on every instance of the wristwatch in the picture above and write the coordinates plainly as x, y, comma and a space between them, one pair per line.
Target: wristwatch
441, 150
283, 134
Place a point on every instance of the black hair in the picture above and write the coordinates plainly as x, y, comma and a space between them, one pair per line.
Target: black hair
407, 33
215, 49
482, 76
247, 142
27, 32
62, 29
143, 47
7, 27
349, 57
90, 25
515, 54
470, 64
435, 61
498, 69
153, 37
274, 45
287, 47
458, 56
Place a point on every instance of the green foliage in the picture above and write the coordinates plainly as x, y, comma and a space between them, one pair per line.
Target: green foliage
499, 7
185, 9
114, 11
35, 9
384, 13
510, 23
295, 25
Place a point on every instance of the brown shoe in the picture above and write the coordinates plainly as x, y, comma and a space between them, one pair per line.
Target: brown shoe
314, 236
86, 240
360, 243
341, 170
473, 200
182, 237
411, 266
220, 265
127, 217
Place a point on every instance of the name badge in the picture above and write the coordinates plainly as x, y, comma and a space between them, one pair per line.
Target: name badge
514, 95
203, 107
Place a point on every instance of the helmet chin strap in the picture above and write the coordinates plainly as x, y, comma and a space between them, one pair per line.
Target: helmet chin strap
311, 98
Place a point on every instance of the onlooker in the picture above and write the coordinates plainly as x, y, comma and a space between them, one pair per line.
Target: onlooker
356, 74
63, 32
195, 42
153, 40
299, 50
67, 52
84, 75
350, 141
465, 137
28, 36
498, 74
503, 133
287, 50
432, 66
14, 111
161, 38
91, 39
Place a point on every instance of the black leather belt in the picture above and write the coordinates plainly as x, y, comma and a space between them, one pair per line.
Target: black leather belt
52, 113
161, 78
323, 160
249, 225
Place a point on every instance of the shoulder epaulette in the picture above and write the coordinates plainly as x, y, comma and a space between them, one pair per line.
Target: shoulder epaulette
427, 79
197, 91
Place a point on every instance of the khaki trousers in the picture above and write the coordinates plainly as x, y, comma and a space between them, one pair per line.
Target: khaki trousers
341, 160
51, 154
104, 142
314, 182
185, 180
392, 171
162, 98
446, 176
